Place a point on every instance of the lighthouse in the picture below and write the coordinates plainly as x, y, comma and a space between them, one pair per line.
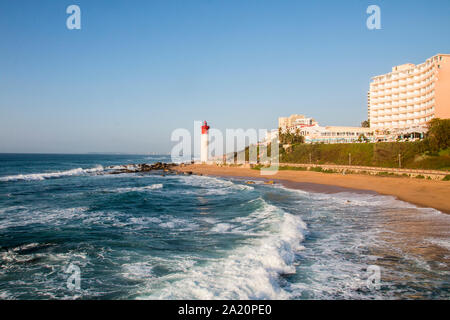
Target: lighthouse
204, 143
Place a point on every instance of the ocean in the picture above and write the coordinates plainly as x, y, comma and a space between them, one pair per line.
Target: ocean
70, 230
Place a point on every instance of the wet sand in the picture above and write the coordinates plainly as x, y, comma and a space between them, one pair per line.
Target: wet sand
424, 193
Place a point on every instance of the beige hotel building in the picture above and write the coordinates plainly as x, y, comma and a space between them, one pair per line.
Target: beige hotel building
411, 95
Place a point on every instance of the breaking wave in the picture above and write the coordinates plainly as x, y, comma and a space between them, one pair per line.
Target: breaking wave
139, 189
251, 271
201, 237
49, 175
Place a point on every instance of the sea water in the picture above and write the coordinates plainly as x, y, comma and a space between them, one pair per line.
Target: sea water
155, 236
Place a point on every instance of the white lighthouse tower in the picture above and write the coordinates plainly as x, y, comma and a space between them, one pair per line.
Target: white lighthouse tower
204, 143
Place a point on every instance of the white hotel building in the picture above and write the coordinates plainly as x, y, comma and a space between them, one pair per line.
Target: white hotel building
405, 99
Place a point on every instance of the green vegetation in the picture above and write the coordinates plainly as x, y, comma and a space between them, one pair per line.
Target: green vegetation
292, 168
438, 136
257, 167
446, 178
385, 154
432, 153
260, 152
290, 138
363, 138
385, 174
365, 124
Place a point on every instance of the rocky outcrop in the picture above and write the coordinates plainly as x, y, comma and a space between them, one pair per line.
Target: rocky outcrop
142, 167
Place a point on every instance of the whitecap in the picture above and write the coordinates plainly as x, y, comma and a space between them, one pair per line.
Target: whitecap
170, 222
250, 271
137, 271
222, 227
48, 175
139, 189
443, 243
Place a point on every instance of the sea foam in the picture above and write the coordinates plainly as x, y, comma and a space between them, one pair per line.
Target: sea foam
49, 175
139, 189
250, 271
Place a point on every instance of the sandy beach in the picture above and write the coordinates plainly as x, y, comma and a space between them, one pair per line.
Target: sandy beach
424, 193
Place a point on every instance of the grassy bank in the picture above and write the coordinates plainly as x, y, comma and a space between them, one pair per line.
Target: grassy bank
412, 155
431, 153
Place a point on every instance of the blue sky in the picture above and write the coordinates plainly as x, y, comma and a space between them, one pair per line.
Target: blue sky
139, 69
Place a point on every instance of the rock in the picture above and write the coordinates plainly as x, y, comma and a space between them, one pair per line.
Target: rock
116, 172
143, 167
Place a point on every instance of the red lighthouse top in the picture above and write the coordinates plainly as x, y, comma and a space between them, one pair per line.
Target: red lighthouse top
205, 127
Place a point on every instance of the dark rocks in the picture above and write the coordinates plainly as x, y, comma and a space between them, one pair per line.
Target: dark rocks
143, 167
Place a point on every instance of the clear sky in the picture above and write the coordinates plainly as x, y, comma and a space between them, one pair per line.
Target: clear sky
139, 69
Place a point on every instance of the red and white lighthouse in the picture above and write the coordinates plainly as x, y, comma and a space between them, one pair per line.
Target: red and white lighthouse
204, 143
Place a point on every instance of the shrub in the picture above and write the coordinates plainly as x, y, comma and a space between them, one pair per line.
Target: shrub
292, 168
438, 135
384, 174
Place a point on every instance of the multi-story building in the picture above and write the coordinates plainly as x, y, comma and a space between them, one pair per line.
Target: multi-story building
294, 121
334, 134
314, 133
405, 99
399, 106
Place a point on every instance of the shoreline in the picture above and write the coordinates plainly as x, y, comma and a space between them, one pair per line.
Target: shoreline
422, 193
